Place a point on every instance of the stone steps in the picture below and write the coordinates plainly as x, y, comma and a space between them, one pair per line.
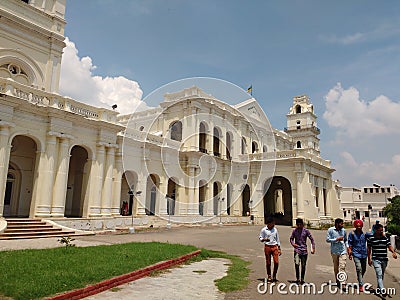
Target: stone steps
32, 228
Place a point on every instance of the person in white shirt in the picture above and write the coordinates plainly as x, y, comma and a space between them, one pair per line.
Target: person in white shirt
272, 247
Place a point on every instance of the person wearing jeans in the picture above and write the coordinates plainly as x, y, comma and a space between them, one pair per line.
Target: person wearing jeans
377, 255
298, 240
337, 236
358, 251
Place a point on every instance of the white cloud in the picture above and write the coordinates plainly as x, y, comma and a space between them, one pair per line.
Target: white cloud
78, 82
353, 173
366, 137
354, 117
383, 31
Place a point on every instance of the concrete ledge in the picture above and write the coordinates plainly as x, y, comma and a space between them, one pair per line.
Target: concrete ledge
125, 278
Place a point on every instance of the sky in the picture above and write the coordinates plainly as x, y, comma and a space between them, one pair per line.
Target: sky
345, 55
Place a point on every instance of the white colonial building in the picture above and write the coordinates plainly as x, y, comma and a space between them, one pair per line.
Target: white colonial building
367, 202
193, 159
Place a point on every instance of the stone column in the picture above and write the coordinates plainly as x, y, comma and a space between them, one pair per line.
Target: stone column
163, 203
116, 194
328, 209
321, 202
192, 206
299, 195
4, 161
60, 184
210, 134
107, 185
46, 176
96, 175
141, 199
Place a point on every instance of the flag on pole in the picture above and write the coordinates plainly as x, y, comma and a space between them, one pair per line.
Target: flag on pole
250, 90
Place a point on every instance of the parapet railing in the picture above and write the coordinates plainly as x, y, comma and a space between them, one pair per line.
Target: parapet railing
43, 98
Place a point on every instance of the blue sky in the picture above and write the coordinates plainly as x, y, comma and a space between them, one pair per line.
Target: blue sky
345, 55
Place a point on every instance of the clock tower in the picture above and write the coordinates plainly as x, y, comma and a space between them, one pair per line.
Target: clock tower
302, 124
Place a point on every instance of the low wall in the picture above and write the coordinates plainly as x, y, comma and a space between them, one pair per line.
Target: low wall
120, 222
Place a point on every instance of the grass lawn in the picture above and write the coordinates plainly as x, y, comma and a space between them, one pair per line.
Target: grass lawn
32, 274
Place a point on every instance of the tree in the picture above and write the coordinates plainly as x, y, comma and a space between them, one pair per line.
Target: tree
392, 211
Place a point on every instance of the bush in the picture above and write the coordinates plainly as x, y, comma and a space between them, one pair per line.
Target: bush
394, 229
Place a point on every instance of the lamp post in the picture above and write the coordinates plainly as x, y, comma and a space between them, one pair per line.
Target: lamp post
220, 209
132, 229
168, 210
251, 216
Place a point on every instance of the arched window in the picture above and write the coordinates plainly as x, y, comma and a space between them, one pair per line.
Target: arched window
228, 145
298, 145
298, 109
176, 131
216, 149
254, 147
202, 138
265, 149
244, 144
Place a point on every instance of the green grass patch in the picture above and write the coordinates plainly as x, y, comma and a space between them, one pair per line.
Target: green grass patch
237, 275
32, 274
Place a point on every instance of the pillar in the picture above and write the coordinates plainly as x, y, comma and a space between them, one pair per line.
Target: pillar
192, 206
96, 178
107, 182
46, 176
60, 183
116, 193
4, 161
299, 195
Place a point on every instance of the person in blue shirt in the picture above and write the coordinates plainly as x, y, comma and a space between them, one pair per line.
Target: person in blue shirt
358, 251
374, 227
337, 236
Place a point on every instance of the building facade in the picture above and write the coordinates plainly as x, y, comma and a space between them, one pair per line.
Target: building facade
367, 202
193, 159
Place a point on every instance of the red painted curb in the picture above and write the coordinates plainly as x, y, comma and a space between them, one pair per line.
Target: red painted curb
118, 280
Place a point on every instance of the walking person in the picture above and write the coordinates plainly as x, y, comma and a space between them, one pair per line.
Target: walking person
358, 251
272, 247
377, 250
298, 240
337, 236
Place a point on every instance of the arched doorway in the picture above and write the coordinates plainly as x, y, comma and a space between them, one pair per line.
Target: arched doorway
77, 182
216, 198
11, 193
202, 196
128, 193
151, 194
21, 173
228, 198
246, 201
171, 196
278, 200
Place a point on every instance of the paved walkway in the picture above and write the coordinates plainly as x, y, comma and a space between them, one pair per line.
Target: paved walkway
194, 281
237, 240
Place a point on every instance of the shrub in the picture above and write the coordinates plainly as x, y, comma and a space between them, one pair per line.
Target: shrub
394, 229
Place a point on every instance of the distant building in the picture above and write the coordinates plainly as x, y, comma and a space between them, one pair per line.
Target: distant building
194, 158
367, 202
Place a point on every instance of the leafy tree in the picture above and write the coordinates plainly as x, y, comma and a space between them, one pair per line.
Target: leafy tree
392, 211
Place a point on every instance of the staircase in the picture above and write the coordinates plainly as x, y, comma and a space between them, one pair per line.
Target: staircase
31, 229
